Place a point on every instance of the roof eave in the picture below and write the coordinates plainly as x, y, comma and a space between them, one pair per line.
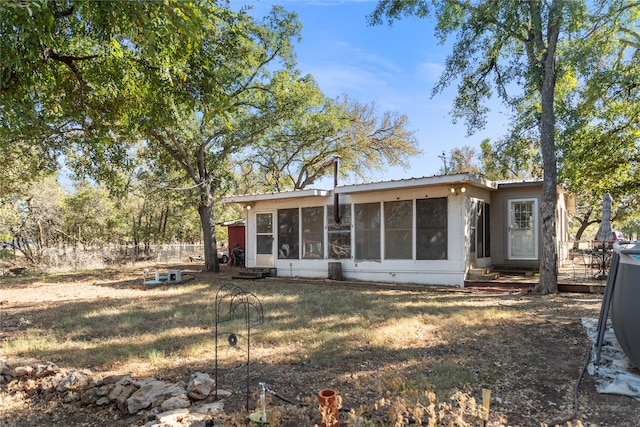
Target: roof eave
249, 198
464, 178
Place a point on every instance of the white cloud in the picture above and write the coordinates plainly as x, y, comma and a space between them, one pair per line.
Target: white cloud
345, 68
335, 80
429, 71
369, 60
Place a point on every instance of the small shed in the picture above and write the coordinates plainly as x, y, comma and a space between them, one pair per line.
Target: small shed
237, 233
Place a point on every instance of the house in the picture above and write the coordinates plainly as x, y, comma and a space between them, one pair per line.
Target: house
430, 230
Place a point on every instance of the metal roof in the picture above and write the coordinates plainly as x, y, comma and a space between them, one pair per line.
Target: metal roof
463, 178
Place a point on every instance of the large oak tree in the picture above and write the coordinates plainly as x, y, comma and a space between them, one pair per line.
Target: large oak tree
92, 79
523, 45
307, 131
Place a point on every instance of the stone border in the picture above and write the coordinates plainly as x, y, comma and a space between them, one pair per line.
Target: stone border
162, 403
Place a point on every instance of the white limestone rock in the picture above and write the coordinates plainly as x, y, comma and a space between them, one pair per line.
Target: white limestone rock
200, 386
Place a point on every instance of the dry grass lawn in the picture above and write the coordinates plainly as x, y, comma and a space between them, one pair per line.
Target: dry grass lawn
364, 340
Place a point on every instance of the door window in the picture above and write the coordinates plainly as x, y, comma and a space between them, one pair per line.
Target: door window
523, 226
264, 240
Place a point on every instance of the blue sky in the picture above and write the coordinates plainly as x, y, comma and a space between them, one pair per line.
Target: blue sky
395, 66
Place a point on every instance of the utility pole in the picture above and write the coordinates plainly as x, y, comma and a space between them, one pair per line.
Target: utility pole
443, 156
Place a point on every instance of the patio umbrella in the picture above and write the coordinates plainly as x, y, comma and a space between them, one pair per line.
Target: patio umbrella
604, 231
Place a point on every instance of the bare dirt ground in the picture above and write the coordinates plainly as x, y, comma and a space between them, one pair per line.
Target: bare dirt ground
536, 362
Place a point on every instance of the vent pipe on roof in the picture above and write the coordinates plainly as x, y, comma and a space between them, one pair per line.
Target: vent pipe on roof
336, 202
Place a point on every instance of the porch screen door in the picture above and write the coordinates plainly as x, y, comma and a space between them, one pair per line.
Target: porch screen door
264, 239
523, 229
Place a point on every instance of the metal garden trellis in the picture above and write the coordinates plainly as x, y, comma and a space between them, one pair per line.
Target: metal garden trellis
239, 305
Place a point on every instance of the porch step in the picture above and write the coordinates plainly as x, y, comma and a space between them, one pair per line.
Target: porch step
255, 273
515, 272
482, 274
582, 288
510, 270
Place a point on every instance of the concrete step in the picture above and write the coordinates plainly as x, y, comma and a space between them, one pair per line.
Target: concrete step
482, 274
510, 270
255, 273
247, 276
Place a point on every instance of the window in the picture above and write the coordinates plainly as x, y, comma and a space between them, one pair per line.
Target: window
288, 233
264, 234
367, 231
523, 215
398, 230
479, 223
473, 222
312, 230
339, 235
482, 237
431, 229
487, 230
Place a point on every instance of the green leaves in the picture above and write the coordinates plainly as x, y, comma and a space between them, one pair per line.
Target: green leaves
538, 50
297, 132
96, 74
117, 49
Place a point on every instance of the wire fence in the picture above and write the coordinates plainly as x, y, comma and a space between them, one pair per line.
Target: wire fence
566, 249
80, 258
92, 257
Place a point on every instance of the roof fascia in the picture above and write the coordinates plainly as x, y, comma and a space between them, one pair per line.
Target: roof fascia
466, 178
519, 183
247, 198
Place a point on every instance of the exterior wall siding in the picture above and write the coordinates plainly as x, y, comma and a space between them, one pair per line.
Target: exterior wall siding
450, 271
464, 195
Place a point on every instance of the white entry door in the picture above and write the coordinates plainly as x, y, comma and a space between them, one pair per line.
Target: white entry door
264, 239
523, 229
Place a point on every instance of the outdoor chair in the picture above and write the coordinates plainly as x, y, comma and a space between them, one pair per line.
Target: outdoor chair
339, 251
582, 264
284, 251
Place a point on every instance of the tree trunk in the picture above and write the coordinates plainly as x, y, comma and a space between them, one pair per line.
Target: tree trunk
205, 210
584, 221
163, 226
548, 264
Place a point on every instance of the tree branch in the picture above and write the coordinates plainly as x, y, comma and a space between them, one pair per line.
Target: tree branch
69, 61
57, 13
